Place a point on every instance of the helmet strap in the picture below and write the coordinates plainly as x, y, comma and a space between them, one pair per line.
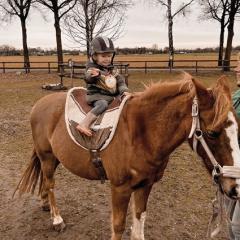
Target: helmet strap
114, 53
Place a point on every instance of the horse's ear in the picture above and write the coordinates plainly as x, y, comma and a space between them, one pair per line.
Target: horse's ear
187, 76
222, 105
204, 95
223, 86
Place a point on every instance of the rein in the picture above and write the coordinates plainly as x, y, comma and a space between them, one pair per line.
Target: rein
197, 135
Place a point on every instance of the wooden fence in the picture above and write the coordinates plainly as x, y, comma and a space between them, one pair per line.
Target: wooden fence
145, 66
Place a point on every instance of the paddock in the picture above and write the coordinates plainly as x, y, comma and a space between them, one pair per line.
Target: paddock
179, 206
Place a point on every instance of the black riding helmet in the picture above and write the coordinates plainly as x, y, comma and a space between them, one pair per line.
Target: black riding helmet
102, 45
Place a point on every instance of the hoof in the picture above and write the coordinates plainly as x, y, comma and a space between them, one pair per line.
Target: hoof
59, 227
46, 207
136, 238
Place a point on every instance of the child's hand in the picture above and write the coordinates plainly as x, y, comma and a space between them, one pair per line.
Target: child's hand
93, 71
123, 95
126, 94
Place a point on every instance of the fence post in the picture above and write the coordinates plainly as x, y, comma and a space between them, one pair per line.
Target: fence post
126, 73
196, 66
223, 63
49, 69
170, 66
3, 67
145, 67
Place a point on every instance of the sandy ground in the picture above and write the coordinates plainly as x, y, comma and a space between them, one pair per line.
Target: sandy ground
179, 205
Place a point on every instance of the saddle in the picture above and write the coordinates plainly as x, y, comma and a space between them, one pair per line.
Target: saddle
103, 128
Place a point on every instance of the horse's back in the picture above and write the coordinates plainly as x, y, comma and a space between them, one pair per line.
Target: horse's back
49, 104
45, 116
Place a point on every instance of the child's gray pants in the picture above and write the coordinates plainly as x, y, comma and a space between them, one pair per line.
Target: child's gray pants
99, 107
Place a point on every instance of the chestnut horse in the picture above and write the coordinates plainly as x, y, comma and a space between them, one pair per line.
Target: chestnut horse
153, 123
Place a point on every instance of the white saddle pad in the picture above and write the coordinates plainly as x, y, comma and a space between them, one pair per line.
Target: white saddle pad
75, 113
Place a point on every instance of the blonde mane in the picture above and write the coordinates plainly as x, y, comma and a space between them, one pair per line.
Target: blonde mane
222, 106
158, 91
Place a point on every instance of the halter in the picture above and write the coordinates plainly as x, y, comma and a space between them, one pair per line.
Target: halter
216, 221
197, 135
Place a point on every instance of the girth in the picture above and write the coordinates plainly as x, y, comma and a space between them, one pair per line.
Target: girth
97, 162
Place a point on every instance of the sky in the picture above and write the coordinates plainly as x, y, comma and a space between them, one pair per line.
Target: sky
145, 25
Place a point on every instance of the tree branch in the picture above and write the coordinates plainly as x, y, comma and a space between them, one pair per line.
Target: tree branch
182, 8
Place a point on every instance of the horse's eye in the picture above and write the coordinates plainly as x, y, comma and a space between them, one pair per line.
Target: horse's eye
212, 134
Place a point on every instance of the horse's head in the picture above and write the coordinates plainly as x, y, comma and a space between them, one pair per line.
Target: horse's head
215, 136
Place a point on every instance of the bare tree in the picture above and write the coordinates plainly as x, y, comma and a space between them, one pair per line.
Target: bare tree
93, 18
19, 8
217, 10
7, 50
233, 11
181, 9
59, 9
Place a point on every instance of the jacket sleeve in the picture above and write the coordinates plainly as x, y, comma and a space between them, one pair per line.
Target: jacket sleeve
122, 87
89, 78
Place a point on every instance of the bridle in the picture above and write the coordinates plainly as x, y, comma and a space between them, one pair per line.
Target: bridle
197, 134
216, 221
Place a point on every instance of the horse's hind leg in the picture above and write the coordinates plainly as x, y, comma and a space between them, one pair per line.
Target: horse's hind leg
120, 201
48, 166
44, 193
139, 206
45, 201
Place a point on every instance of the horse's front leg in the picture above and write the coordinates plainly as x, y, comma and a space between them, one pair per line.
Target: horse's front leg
139, 206
120, 201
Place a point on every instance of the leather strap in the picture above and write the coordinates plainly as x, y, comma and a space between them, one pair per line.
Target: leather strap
97, 162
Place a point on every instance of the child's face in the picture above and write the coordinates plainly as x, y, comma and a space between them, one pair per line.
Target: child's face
104, 59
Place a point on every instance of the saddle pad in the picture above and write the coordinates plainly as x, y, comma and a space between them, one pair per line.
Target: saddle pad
103, 128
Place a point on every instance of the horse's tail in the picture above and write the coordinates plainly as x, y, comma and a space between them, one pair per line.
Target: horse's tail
30, 177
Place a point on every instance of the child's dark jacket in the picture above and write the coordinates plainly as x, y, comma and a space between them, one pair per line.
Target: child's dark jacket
97, 90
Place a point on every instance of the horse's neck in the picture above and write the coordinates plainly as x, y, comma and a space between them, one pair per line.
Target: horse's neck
161, 126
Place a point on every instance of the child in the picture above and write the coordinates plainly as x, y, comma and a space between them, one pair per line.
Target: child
103, 83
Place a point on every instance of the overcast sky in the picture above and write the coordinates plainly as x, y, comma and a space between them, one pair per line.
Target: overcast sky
144, 26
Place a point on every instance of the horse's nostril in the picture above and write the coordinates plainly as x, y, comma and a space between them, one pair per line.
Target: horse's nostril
233, 193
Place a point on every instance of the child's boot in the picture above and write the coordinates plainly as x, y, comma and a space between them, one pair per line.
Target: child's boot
84, 126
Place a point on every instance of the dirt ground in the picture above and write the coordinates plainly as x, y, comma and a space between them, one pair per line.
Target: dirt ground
179, 206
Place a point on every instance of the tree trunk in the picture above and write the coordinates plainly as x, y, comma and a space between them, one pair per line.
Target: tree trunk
58, 39
88, 50
87, 30
25, 47
88, 40
228, 51
170, 34
171, 49
221, 44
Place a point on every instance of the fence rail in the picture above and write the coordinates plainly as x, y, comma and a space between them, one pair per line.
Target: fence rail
133, 65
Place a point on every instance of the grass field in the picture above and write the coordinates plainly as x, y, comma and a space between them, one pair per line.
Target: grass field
192, 58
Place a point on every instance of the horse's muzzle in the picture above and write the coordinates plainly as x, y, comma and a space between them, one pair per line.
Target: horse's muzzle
234, 193
230, 187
